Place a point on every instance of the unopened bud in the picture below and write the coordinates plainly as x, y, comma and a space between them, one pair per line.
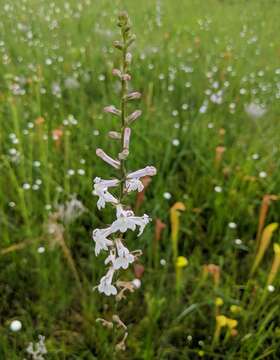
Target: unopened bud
123, 17
115, 163
132, 117
117, 72
126, 138
132, 96
118, 45
111, 109
114, 135
124, 154
126, 77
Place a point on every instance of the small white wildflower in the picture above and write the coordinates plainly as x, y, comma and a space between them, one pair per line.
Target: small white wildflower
238, 241
12, 204
48, 207
15, 325
262, 174
41, 249
167, 195
101, 190
270, 288
255, 156
255, 110
124, 257
105, 285
26, 186
210, 125
232, 225
126, 220
36, 163
136, 283
100, 238
218, 189
38, 349
162, 262
81, 172
175, 142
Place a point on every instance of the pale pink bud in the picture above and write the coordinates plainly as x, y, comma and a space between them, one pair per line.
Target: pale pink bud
126, 138
147, 171
124, 154
132, 96
132, 117
126, 77
111, 109
117, 72
107, 158
114, 135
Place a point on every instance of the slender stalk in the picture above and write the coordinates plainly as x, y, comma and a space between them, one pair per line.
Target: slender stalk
123, 111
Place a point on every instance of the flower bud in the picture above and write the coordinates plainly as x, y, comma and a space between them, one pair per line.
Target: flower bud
114, 135
111, 109
132, 96
126, 77
115, 163
117, 72
126, 138
133, 116
124, 154
118, 45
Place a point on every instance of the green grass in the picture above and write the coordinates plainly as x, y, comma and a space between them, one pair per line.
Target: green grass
45, 43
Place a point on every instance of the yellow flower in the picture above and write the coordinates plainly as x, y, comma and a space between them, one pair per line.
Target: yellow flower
219, 301
264, 243
221, 320
232, 323
181, 262
175, 225
276, 248
235, 309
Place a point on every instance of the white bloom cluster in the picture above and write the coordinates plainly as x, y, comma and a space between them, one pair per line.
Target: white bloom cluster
111, 238
38, 350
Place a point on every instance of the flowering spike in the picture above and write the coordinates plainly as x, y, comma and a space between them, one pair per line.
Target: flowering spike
112, 238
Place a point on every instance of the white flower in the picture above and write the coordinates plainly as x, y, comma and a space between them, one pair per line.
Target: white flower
255, 110
124, 256
133, 185
15, 325
133, 181
126, 220
101, 190
101, 241
147, 171
105, 285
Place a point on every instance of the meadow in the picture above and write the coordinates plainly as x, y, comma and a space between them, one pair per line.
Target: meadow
208, 281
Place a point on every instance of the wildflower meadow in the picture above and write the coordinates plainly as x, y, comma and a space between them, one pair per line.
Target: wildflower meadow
139, 180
